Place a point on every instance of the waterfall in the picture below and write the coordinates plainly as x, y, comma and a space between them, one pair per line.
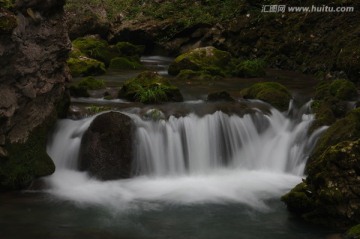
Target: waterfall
215, 158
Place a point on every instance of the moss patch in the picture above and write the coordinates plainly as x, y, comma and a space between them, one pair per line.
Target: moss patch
123, 63
128, 49
271, 92
353, 233
250, 68
8, 21
84, 66
150, 87
207, 59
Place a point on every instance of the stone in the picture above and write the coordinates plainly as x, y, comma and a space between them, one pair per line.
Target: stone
106, 150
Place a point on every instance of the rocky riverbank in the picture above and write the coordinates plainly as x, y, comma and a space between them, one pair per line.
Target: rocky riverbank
34, 46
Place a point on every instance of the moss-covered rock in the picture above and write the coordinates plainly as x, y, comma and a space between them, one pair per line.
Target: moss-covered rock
128, 49
353, 233
271, 92
95, 48
7, 3
338, 89
124, 63
150, 87
84, 66
329, 195
81, 89
201, 59
27, 160
197, 76
344, 129
249, 68
8, 21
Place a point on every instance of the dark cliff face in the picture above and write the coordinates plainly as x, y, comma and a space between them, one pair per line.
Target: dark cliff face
34, 46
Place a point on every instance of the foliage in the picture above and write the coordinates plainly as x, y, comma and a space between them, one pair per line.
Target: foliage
91, 83
84, 66
149, 87
353, 233
124, 63
250, 68
95, 109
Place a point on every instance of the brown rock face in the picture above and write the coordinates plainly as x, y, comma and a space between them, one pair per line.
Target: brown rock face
33, 73
106, 150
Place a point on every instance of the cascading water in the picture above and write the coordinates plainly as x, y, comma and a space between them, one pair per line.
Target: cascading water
216, 158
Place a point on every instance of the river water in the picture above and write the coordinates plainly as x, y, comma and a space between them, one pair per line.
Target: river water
212, 174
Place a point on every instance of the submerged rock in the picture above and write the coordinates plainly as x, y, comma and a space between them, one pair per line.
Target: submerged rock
329, 195
220, 96
106, 150
150, 87
271, 92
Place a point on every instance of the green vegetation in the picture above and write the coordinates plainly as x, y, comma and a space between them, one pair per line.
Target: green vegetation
149, 87
95, 109
338, 89
250, 68
7, 3
271, 92
353, 233
81, 89
84, 66
128, 49
206, 59
123, 63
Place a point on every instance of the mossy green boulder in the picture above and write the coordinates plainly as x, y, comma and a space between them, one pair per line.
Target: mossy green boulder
329, 195
95, 48
339, 89
124, 63
197, 76
84, 66
249, 68
150, 87
271, 92
81, 89
201, 59
128, 49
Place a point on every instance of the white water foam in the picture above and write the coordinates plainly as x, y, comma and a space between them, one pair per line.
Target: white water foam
189, 160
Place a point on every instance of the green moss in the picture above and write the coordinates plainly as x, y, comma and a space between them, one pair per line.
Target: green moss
84, 66
339, 89
8, 4
123, 63
95, 109
323, 114
298, 199
27, 161
201, 59
353, 233
250, 68
91, 83
344, 129
271, 92
149, 87
95, 48
198, 76
128, 49
8, 21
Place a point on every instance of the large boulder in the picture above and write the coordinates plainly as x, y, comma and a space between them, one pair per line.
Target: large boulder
330, 194
106, 150
150, 87
271, 92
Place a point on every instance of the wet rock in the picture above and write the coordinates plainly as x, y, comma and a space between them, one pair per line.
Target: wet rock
271, 92
220, 96
84, 66
106, 150
329, 195
150, 87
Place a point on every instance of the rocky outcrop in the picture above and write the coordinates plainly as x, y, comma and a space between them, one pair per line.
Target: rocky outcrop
106, 150
33, 71
329, 195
